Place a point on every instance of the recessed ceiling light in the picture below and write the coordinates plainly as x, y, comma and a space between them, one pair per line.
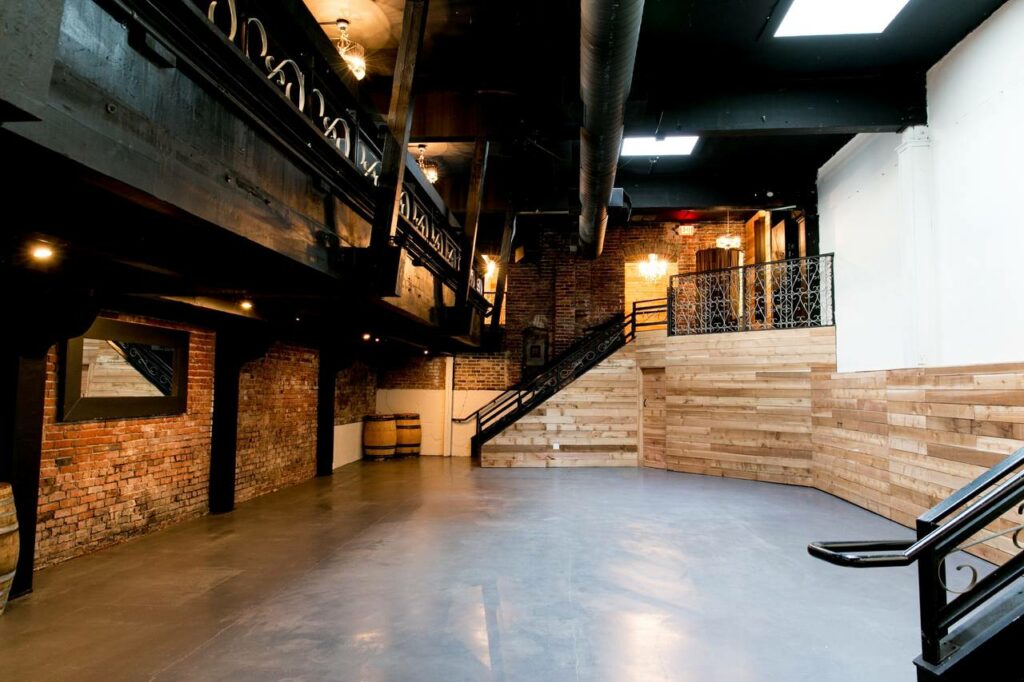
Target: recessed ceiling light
367, 336
838, 17
676, 145
246, 305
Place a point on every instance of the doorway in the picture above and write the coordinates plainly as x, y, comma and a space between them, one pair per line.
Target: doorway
653, 412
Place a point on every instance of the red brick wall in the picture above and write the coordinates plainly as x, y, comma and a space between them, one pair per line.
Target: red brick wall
480, 372
102, 482
355, 393
276, 421
413, 372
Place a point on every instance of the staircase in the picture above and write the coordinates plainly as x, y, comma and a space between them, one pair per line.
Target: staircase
597, 345
967, 633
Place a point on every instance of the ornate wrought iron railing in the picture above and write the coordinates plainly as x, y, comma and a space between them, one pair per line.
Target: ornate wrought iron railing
154, 364
597, 345
787, 294
275, 66
955, 525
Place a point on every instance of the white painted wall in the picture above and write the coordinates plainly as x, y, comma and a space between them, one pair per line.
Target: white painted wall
429, 403
348, 443
923, 224
976, 111
465, 403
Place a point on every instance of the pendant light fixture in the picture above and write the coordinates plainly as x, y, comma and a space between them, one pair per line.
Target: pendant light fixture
352, 52
654, 268
431, 171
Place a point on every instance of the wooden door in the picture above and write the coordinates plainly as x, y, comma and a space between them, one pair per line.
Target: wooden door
653, 454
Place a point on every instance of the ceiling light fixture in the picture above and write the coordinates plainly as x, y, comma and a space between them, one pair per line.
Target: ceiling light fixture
491, 266
431, 171
654, 268
245, 305
838, 17
367, 337
674, 145
352, 52
41, 252
729, 242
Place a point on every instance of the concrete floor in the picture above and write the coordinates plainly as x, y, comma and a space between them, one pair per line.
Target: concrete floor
433, 570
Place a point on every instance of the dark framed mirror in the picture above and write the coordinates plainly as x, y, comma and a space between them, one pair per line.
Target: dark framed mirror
121, 369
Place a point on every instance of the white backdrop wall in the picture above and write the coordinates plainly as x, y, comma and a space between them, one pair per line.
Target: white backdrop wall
924, 225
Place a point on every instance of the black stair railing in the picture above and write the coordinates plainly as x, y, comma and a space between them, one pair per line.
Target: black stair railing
951, 527
597, 345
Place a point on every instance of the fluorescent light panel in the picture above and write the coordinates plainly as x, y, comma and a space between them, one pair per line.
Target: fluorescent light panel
838, 17
678, 145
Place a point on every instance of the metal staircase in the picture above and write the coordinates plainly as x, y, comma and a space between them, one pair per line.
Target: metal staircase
599, 344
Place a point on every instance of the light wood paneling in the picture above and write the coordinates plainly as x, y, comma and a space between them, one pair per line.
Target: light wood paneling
739, 405
594, 422
653, 406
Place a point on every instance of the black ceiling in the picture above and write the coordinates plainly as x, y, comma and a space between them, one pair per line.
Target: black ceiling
769, 110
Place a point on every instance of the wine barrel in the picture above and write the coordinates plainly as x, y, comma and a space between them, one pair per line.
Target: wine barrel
379, 435
8, 542
409, 434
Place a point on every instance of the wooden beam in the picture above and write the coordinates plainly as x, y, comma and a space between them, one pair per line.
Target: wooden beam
389, 183
478, 172
503, 262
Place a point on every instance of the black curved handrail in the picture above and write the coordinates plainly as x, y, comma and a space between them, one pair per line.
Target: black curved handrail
942, 531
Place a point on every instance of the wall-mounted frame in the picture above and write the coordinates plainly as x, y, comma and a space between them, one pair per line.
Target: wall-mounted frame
144, 372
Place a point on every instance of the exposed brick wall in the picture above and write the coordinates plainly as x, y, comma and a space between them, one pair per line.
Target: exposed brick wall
102, 482
413, 372
482, 372
355, 393
569, 293
277, 398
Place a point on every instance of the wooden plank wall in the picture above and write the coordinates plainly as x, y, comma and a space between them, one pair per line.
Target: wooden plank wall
898, 442
595, 422
739, 405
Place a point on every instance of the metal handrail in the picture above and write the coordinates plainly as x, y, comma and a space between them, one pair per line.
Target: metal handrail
993, 494
564, 368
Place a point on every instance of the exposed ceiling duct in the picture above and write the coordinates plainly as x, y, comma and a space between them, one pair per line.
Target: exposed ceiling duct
609, 35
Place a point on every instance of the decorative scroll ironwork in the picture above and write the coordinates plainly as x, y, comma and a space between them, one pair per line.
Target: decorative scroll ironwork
1015, 537
148, 362
310, 98
786, 294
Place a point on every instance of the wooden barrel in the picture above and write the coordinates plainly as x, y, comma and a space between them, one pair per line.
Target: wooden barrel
409, 434
379, 435
8, 542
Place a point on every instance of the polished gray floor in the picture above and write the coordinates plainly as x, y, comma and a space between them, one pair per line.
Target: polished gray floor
433, 570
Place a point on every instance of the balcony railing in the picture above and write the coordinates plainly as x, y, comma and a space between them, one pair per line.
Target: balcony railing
789, 294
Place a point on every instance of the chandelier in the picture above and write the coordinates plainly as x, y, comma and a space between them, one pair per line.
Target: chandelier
654, 268
351, 52
431, 171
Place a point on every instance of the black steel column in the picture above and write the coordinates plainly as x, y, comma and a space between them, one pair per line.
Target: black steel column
24, 383
227, 365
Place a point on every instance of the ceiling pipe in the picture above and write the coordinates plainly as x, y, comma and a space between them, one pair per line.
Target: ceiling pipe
609, 34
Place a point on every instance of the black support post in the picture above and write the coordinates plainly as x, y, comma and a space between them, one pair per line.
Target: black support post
325, 413
478, 172
227, 367
24, 382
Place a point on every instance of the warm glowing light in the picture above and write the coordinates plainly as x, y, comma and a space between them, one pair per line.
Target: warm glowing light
367, 337
376, 339
729, 242
431, 171
654, 268
492, 267
246, 305
351, 52
426, 352
42, 252
686, 230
